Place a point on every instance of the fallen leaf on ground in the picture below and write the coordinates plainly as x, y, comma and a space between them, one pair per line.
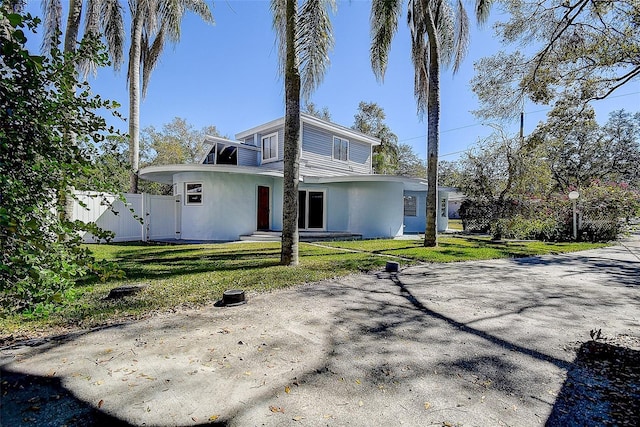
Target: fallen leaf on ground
298, 418
427, 405
100, 403
276, 409
287, 389
214, 417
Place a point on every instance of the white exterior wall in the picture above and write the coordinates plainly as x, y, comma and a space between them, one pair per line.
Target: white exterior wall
418, 223
229, 205
442, 218
376, 209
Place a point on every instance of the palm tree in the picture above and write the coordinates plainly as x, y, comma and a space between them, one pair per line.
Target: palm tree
103, 18
304, 40
152, 22
439, 36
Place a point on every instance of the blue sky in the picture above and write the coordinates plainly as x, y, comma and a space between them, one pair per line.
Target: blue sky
226, 75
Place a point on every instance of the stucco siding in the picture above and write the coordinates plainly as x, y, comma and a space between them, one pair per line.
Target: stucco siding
229, 205
376, 209
418, 223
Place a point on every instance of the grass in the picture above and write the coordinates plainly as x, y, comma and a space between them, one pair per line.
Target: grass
193, 275
455, 224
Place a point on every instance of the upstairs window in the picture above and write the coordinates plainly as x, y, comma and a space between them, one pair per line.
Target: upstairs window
270, 148
410, 205
340, 149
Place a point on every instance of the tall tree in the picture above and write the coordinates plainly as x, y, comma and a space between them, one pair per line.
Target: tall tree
370, 120
449, 173
622, 136
409, 163
578, 151
176, 142
103, 18
321, 113
304, 39
585, 47
439, 37
152, 22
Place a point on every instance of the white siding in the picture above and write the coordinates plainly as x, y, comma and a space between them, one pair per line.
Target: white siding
280, 132
317, 152
247, 157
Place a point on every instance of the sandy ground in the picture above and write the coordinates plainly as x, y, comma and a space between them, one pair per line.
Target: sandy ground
476, 343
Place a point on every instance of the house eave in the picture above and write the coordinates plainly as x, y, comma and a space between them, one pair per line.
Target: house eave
335, 128
164, 174
261, 129
312, 120
409, 184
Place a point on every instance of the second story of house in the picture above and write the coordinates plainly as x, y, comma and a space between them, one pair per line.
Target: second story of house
327, 149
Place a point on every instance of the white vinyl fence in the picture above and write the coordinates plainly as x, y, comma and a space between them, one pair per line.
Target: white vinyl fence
142, 217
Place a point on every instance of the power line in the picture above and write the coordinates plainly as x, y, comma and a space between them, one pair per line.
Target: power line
482, 124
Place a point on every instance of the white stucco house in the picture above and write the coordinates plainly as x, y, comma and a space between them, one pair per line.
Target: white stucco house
237, 188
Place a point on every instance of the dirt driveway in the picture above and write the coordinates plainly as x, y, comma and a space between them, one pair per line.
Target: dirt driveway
474, 343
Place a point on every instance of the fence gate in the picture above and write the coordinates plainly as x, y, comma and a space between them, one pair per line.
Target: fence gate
162, 217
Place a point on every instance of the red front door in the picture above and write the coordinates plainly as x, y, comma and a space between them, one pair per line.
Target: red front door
263, 208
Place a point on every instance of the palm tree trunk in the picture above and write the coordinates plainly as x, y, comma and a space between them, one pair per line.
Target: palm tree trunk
289, 252
433, 135
134, 99
73, 25
65, 204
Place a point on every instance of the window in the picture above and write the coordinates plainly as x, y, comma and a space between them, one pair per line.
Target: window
193, 193
340, 149
410, 205
270, 148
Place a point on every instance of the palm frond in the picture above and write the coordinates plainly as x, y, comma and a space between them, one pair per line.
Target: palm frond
150, 56
483, 7
170, 15
92, 17
278, 11
444, 21
461, 36
52, 11
417, 12
200, 8
313, 42
112, 23
384, 25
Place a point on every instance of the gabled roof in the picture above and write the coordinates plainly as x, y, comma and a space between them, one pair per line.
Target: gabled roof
309, 119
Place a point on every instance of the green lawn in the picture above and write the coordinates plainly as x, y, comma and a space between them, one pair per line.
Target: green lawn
193, 275
455, 224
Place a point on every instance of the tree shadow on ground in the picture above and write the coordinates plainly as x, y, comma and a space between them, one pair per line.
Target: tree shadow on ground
602, 388
33, 400
390, 341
